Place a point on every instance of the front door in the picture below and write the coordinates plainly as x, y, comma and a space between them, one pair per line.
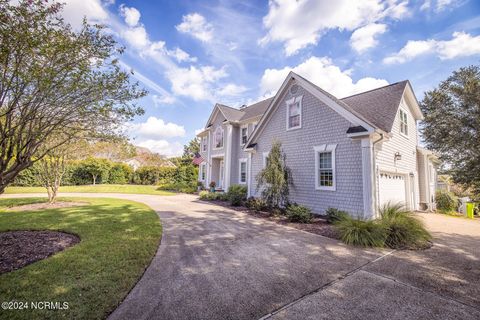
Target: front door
220, 174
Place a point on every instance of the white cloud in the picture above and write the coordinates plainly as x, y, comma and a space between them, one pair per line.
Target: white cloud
298, 24
198, 131
180, 55
163, 147
195, 82
196, 25
365, 37
131, 15
162, 100
323, 73
231, 90
75, 10
441, 5
461, 45
155, 128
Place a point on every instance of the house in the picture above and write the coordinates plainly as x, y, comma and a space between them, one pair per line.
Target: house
354, 154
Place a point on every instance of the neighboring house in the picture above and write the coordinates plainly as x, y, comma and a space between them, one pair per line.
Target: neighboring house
354, 154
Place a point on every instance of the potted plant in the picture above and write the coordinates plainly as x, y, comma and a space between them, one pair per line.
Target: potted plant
200, 186
212, 185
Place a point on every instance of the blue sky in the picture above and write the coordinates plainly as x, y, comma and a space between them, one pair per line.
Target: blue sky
191, 54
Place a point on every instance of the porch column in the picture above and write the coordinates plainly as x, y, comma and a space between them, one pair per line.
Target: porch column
368, 179
228, 158
209, 162
249, 174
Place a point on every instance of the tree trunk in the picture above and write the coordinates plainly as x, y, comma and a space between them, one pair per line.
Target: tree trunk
94, 179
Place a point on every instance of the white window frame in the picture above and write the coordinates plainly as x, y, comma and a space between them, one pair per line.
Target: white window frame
325, 148
289, 103
203, 171
215, 138
241, 136
264, 159
240, 161
403, 111
204, 144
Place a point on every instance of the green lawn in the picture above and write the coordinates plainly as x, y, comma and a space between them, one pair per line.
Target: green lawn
118, 240
105, 188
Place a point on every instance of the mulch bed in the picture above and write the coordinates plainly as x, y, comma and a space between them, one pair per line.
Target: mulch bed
21, 248
317, 226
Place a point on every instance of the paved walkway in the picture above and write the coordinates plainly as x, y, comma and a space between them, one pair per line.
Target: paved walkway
216, 263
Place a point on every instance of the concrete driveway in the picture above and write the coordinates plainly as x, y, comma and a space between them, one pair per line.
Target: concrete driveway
216, 263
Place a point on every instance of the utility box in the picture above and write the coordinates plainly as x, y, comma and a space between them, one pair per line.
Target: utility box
469, 209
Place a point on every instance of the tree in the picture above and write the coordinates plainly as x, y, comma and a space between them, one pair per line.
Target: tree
276, 178
56, 82
452, 125
96, 168
52, 168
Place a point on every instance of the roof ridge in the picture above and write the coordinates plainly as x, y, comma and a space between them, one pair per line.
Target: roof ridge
388, 85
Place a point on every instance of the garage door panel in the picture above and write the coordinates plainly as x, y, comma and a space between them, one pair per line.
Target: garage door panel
392, 188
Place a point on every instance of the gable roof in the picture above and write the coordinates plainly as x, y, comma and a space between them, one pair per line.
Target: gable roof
235, 115
380, 105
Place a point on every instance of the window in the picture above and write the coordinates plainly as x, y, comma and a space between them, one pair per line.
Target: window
243, 135
325, 167
294, 113
203, 171
242, 168
204, 144
265, 157
403, 122
218, 138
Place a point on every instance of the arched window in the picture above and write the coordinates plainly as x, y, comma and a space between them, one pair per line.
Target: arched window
219, 138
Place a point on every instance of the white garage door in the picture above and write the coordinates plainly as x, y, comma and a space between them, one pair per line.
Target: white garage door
392, 188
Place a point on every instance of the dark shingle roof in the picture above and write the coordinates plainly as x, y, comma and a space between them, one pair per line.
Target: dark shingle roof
256, 109
379, 106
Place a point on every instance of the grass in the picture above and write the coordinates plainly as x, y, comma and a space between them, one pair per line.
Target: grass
99, 188
118, 240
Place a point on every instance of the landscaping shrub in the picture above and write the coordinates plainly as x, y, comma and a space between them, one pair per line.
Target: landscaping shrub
446, 202
361, 232
335, 215
298, 213
179, 187
256, 204
403, 230
154, 175
213, 196
120, 173
237, 194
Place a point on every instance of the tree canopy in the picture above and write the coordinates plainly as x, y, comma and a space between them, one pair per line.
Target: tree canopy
452, 124
56, 82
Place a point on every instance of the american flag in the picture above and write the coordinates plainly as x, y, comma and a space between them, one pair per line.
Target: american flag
197, 159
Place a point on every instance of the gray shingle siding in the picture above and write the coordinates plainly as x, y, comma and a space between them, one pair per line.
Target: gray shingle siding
320, 125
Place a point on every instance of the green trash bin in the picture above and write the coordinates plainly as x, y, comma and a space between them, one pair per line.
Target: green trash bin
470, 206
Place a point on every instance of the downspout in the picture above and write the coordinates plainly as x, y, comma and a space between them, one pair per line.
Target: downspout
374, 164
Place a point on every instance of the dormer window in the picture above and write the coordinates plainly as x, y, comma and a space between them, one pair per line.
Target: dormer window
243, 135
403, 122
294, 113
218, 144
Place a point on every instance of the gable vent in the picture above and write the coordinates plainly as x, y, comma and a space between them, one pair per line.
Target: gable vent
293, 89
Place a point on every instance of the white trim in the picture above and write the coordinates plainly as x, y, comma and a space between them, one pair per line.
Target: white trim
228, 158
249, 175
289, 103
209, 165
293, 77
254, 125
367, 178
214, 146
245, 126
240, 161
400, 110
321, 149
